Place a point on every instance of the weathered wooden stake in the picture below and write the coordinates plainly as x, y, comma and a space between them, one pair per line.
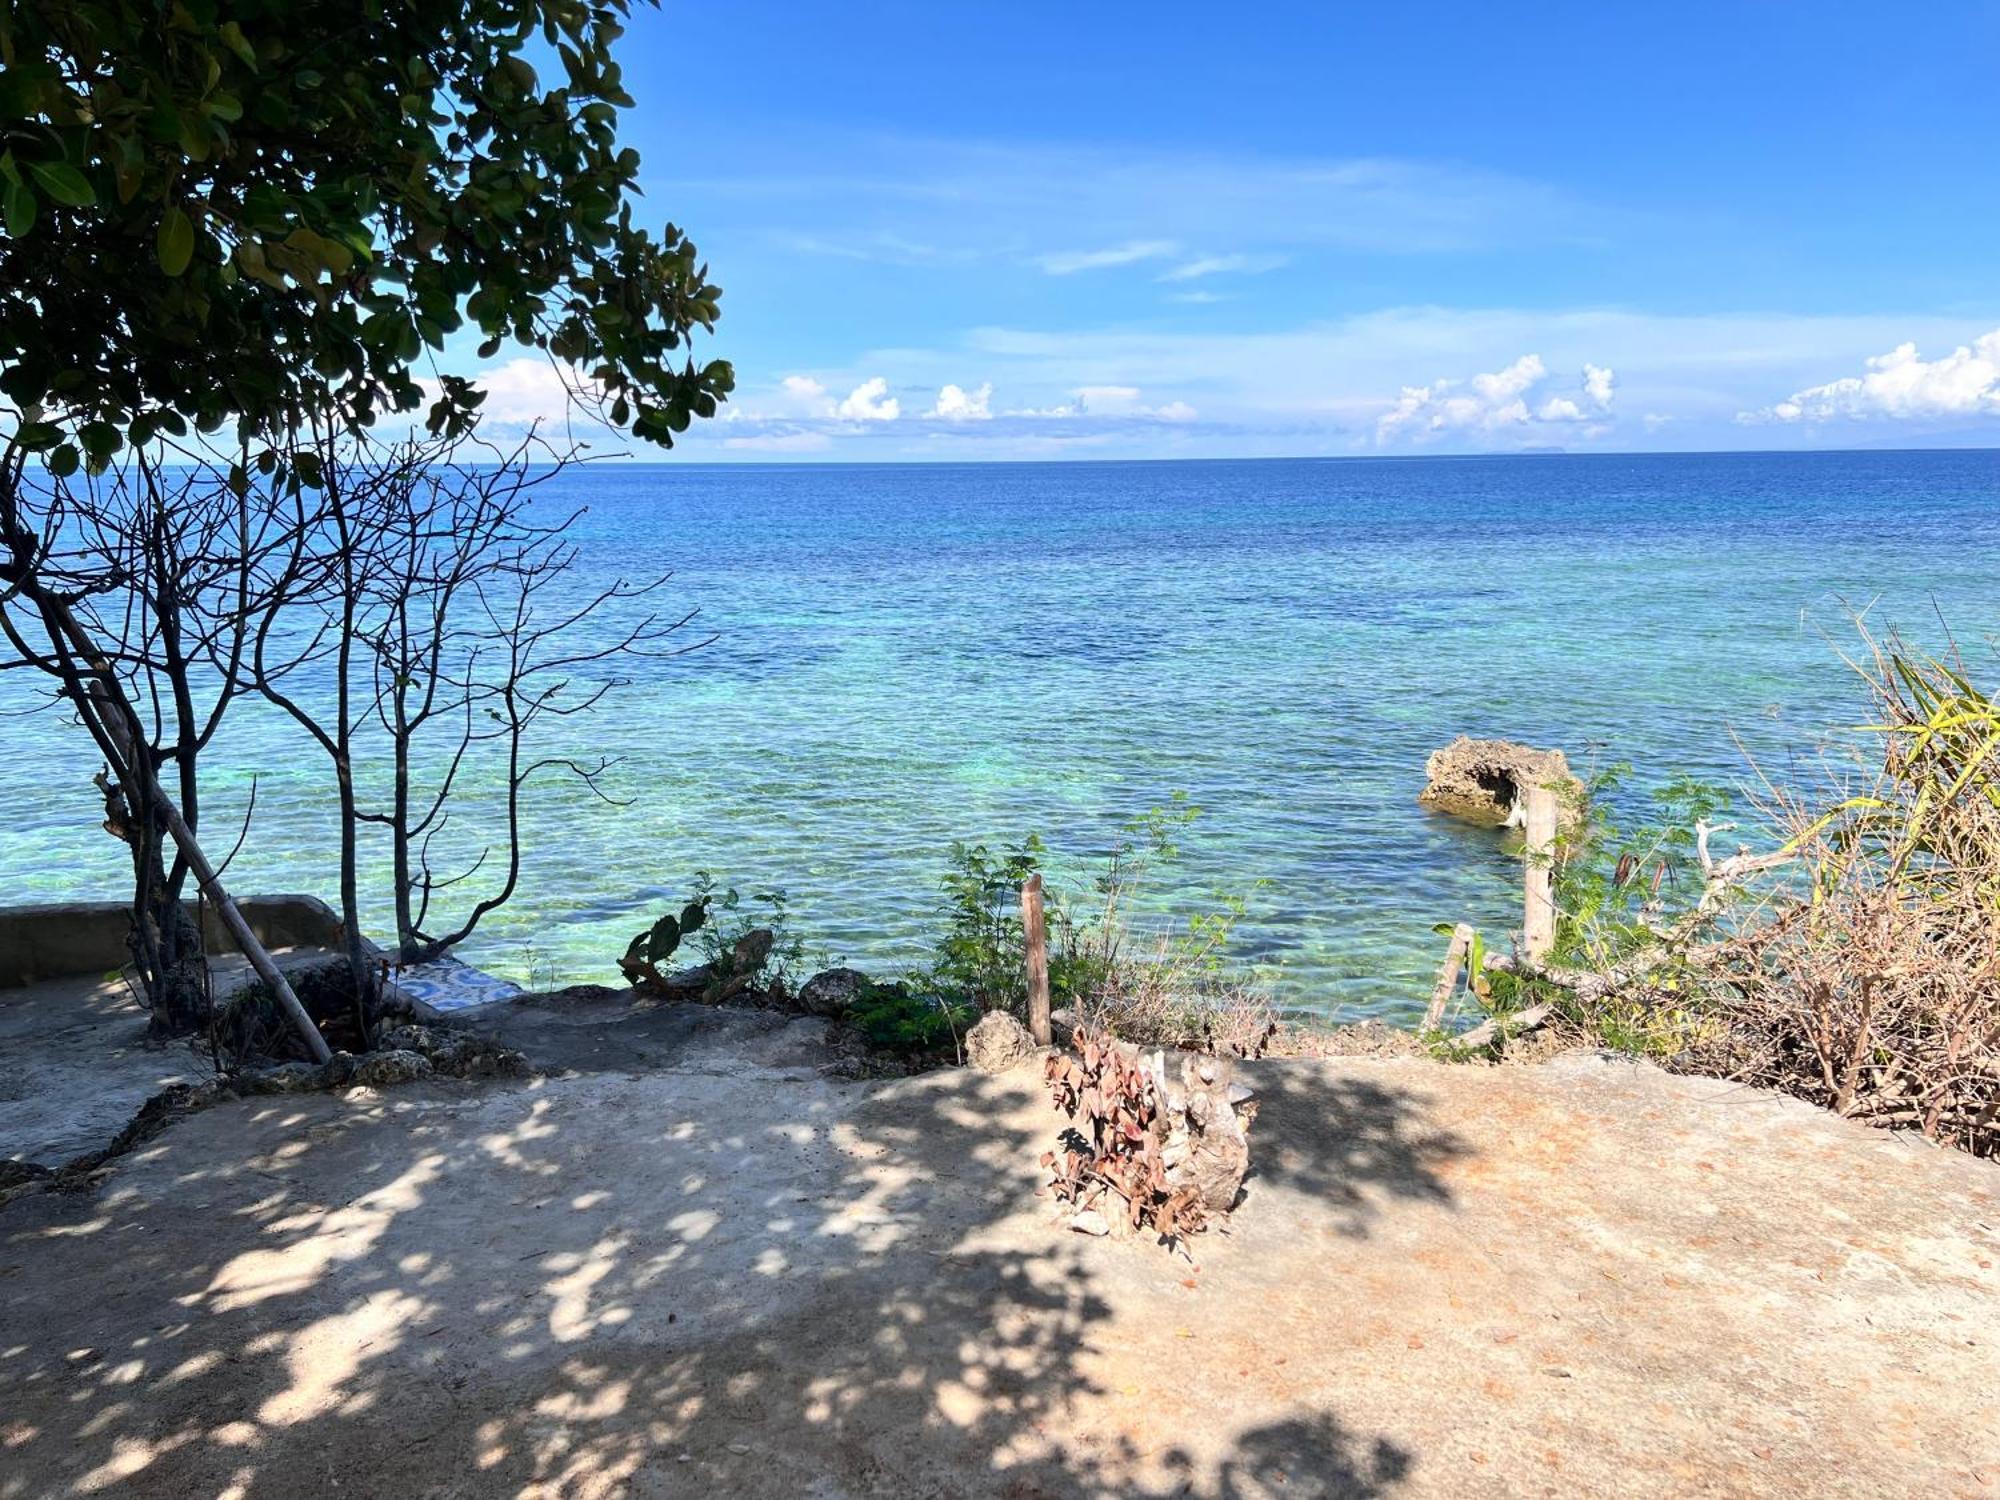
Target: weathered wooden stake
1538, 921
1036, 931
1447, 980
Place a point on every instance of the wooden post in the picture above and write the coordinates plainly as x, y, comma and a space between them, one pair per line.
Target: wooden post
1036, 931
1538, 920
1447, 980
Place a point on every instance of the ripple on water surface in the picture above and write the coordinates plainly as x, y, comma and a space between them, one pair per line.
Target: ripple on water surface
907, 655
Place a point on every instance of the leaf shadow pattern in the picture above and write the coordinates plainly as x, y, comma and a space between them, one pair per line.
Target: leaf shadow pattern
1308, 1458
1350, 1141
680, 1282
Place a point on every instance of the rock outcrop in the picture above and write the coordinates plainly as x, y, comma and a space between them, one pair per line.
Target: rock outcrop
830, 993
1484, 781
998, 1042
1207, 1115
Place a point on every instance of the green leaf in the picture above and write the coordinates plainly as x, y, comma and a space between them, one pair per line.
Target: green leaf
64, 183
17, 206
63, 461
176, 241
662, 940
233, 38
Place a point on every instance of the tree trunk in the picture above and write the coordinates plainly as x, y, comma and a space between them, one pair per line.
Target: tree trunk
360, 970
166, 943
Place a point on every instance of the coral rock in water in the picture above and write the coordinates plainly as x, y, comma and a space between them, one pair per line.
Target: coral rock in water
1485, 781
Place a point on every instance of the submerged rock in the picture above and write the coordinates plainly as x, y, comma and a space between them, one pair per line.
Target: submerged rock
1484, 781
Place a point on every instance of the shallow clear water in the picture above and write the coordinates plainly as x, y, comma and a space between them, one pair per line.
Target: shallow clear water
911, 654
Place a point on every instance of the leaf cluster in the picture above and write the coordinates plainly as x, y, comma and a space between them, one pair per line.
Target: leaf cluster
269, 210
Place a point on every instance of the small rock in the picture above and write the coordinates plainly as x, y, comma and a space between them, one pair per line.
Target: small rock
998, 1042
288, 1078
14, 1173
383, 1069
1090, 1221
831, 992
687, 984
752, 950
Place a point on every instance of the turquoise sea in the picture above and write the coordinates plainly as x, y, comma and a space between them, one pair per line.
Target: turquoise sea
908, 654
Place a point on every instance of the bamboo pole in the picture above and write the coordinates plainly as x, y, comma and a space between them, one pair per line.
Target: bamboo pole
1035, 929
1538, 919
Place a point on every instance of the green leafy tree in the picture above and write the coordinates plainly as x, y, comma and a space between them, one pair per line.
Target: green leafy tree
274, 211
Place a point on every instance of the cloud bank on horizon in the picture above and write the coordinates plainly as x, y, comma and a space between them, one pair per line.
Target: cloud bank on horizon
1152, 250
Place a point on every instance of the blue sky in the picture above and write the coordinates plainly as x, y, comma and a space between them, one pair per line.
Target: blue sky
1041, 231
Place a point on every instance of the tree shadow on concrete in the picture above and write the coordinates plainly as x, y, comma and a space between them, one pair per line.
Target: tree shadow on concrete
1352, 1142
679, 1282
1306, 1458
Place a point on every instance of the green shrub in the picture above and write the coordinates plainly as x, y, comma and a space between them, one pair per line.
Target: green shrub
732, 917
1154, 981
978, 961
897, 1018
1627, 893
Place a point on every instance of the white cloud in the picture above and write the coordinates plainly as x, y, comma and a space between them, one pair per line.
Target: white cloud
1901, 385
1215, 265
1069, 262
1320, 386
805, 396
870, 402
1109, 403
955, 404
1599, 385
942, 199
1108, 399
1493, 403
533, 390
1485, 403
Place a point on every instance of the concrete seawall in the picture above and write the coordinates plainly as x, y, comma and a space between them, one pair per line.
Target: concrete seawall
88, 937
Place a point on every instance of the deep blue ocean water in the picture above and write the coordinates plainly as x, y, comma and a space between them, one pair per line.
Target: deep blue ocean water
909, 654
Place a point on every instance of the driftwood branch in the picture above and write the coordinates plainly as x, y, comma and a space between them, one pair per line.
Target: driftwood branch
1491, 1029
1447, 980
